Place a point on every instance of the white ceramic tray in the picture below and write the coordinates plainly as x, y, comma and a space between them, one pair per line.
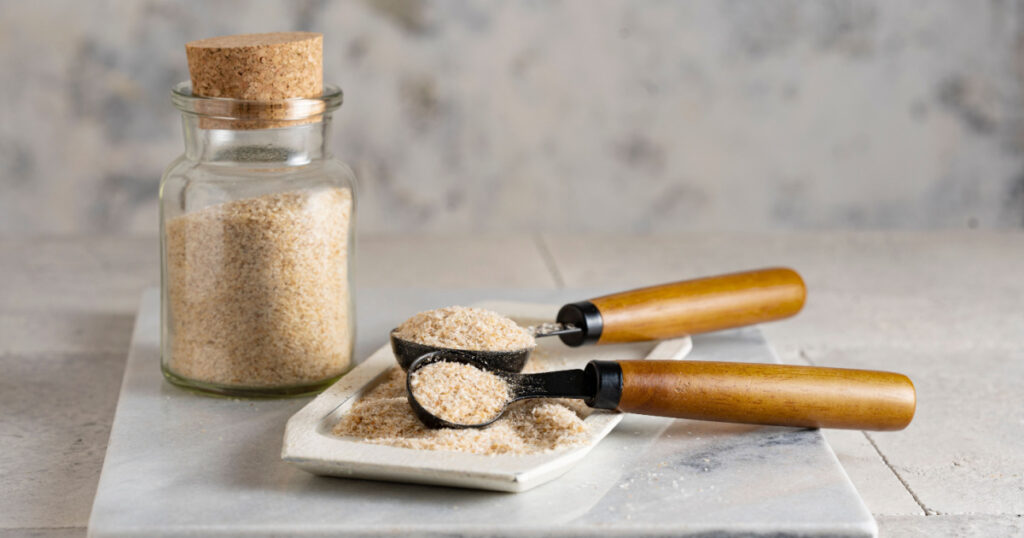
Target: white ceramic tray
309, 443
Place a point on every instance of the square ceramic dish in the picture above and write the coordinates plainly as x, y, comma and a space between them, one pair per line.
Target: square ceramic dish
310, 445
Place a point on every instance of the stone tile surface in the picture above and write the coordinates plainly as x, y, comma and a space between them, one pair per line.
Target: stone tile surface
943, 307
452, 262
67, 307
57, 411
912, 290
43, 532
953, 526
879, 486
964, 452
97, 274
71, 331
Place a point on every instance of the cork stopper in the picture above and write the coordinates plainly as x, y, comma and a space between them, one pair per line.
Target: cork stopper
257, 67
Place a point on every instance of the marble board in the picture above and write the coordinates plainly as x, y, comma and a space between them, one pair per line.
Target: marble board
180, 464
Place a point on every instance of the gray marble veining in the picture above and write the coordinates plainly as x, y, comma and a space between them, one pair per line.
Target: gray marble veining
179, 464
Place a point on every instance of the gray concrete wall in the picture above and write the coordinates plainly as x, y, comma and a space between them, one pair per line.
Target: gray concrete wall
551, 116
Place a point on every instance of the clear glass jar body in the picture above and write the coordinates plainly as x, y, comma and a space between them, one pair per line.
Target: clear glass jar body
257, 237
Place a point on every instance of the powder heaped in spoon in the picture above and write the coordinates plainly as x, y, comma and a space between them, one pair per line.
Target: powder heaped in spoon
460, 393
468, 328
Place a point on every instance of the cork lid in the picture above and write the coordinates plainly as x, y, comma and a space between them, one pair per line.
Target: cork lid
257, 67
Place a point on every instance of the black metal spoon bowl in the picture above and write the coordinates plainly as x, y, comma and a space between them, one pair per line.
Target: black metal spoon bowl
407, 352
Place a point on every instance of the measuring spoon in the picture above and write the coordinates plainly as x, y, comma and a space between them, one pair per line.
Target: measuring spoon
652, 313
751, 393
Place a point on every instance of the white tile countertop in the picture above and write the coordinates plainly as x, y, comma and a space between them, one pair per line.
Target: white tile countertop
944, 308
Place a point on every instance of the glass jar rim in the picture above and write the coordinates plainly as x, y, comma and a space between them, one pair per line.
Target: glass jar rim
227, 108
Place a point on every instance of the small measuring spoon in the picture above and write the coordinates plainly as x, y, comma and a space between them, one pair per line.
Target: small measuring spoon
652, 313
751, 393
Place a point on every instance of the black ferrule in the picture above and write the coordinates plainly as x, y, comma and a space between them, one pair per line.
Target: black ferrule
607, 379
586, 317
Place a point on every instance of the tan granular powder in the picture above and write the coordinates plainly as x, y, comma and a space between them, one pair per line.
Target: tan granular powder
257, 290
383, 416
459, 393
461, 327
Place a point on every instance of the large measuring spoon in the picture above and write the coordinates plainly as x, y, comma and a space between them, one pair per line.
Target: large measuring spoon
653, 313
751, 393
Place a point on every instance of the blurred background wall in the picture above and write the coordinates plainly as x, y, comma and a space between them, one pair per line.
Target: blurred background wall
551, 116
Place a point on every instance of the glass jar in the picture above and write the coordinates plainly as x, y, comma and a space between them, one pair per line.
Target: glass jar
257, 224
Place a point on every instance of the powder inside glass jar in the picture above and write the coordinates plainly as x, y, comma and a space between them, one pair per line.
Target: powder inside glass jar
258, 292
459, 393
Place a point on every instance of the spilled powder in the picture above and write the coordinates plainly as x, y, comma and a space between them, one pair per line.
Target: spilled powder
383, 416
459, 393
461, 327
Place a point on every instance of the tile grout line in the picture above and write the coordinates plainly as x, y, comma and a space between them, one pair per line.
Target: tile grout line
549, 260
927, 512
885, 460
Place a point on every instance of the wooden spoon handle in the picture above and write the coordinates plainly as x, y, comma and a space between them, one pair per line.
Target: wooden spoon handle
782, 395
687, 307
